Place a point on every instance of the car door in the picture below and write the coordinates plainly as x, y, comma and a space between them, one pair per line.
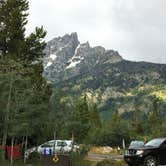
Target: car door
162, 153
60, 146
45, 148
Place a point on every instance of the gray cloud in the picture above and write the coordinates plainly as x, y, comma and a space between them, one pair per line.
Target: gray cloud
136, 28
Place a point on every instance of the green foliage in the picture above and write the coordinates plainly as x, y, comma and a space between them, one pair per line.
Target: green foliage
24, 93
112, 133
13, 18
79, 158
34, 44
95, 117
80, 116
154, 120
84, 111
21, 163
96, 132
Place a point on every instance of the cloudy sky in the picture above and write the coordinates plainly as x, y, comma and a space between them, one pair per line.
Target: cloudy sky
135, 28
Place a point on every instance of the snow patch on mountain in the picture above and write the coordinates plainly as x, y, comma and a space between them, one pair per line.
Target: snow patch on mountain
48, 64
53, 56
76, 50
73, 64
66, 57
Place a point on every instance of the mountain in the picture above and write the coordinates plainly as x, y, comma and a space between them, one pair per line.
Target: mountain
66, 58
108, 79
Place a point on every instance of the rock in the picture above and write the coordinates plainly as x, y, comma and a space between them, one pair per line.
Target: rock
66, 57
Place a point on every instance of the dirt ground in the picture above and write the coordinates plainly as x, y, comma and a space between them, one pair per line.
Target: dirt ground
60, 160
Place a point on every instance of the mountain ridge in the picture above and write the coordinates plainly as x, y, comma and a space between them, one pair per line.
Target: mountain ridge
65, 53
113, 82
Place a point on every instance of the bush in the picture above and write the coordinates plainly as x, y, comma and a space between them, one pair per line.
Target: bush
106, 163
34, 155
78, 157
84, 150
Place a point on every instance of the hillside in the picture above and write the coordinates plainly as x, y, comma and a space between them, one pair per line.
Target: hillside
108, 79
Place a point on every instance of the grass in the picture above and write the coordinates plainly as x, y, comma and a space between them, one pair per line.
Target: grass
82, 163
101, 150
76, 162
21, 163
111, 163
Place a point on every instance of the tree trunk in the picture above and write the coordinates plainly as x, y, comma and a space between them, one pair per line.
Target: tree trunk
6, 119
22, 143
26, 143
11, 157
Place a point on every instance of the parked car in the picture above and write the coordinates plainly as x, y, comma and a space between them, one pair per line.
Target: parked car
152, 153
54, 146
29, 151
47, 147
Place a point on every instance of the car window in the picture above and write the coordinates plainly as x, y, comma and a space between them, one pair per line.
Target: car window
45, 145
61, 143
155, 142
164, 144
136, 143
52, 143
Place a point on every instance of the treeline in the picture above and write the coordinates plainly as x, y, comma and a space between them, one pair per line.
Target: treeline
24, 93
80, 117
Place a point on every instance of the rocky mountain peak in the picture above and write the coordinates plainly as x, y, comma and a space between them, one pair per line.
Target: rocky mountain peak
67, 57
59, 43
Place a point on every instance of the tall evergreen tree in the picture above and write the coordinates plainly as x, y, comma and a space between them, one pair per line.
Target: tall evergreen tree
95, 116
155, 120
84, 111
13, 14
25, 97
137, 123
13, 18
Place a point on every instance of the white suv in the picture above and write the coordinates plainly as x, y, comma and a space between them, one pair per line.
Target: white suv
56, 146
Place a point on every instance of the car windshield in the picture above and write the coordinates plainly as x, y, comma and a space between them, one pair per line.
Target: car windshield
136, 143
155, 142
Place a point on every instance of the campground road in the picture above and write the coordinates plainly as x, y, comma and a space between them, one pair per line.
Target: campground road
99, 157
94, 156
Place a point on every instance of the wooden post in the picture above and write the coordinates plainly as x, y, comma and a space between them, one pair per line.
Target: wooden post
26, 143
54, 142
11, 156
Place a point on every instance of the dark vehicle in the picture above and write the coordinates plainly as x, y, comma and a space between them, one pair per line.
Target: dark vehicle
152, 153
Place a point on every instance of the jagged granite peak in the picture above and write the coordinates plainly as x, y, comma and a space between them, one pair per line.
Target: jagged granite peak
66, 57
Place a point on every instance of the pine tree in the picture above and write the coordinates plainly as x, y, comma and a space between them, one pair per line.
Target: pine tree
13, 18
78, 123
95, 116
13, 15
84, 111
137, 123
25, 94
154, 119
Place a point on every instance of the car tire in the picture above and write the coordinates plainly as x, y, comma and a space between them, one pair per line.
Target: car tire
150, 161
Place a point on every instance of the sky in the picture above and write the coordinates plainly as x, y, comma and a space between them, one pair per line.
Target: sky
134, 28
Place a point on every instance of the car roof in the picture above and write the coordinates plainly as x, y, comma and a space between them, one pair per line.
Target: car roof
162, 138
